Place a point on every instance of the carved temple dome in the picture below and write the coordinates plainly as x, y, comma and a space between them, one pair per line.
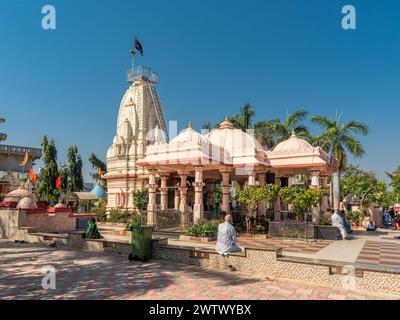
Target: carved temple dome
293, 145
233, 140
17, 195
27, 203
189, 136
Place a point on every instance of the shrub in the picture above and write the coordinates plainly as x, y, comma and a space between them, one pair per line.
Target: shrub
204, 229
355, 217
101, 214
117, 216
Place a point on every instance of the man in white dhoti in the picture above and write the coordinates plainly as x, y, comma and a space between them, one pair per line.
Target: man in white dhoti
226, 240
337, 221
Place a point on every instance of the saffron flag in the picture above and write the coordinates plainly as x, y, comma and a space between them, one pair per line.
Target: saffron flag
58, 183
32, 175
100, 172
26, 157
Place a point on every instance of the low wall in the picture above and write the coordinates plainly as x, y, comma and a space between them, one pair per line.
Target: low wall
50, 222
12, 219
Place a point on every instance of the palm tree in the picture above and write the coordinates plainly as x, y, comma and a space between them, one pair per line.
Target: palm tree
244, 119
271, 132
339, 139
275, 131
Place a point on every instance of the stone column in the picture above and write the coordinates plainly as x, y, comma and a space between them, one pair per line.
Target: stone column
262, 209
183, 208
325, 197
252, 178
198, 209
315, 184
225, 192
176, 199
164, 192
277, 205
210, 194
151, 207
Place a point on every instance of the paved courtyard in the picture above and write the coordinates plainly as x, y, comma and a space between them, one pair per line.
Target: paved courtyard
84, 275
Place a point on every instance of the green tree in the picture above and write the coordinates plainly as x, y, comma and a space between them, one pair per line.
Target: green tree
340, 138
301, 200
395, 183
74, 170
254, 196
46, 187
364, 188
98, 164
271, 132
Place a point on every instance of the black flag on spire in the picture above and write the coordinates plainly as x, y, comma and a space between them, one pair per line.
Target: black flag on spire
138, 46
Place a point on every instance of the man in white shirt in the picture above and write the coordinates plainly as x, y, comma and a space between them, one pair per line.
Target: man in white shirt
337, 222
226, 240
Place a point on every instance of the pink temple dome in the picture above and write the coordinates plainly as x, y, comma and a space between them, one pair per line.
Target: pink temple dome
293, 145
27, 203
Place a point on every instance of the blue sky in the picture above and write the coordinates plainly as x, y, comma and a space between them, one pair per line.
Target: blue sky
211, 57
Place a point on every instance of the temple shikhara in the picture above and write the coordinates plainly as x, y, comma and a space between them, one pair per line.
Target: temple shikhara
140, 123
140, 157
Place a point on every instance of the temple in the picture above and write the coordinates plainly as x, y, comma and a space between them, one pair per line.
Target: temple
224, 155
140, 123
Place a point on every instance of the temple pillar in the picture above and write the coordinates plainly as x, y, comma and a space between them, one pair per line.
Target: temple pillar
176, 199
198, 209
277, 204
210, 194
252, 178
225, 187
262, 209
315, 184
151, 207
164, 192
183, 208
325, 197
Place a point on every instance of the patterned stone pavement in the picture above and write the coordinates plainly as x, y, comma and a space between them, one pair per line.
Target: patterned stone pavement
378, 252
287, 245
84, 275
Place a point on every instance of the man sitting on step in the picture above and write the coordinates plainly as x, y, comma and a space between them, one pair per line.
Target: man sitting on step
226, 240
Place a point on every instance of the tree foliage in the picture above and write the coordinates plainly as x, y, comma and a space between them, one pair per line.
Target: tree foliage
46, 187
301, 200
271, 132
395, 182
74, 170
340, 137
98, 164
364, 187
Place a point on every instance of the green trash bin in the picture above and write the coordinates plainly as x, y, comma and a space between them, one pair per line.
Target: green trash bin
141, 243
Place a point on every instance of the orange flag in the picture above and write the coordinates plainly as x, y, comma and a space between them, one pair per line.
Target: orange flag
32, 175
100, 172
25, 161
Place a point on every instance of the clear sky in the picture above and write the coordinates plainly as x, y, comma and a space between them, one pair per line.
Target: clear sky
211, 56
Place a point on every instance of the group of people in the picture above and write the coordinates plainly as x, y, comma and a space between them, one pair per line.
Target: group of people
391, 218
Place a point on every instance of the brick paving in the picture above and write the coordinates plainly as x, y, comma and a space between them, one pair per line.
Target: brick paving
85, 275
379, 252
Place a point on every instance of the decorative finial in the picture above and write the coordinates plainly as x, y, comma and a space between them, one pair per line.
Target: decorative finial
226, 118
190, 125
293, 132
